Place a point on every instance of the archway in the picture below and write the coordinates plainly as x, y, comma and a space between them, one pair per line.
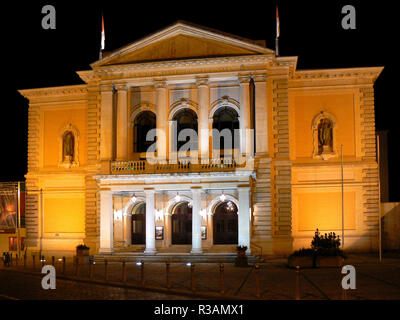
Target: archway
182, 223
225, 223
139, 224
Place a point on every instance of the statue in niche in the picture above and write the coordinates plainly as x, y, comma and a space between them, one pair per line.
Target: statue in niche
325, 135
68, 147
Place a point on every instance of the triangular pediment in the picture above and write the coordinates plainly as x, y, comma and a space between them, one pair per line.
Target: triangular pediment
182, 41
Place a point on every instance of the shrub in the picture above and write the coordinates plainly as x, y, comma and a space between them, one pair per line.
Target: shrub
82, 247
328, 241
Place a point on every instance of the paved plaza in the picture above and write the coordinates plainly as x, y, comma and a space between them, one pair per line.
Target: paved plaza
273, 281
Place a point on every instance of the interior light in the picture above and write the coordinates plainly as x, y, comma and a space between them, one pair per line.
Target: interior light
222, 197
133, 198
177, 198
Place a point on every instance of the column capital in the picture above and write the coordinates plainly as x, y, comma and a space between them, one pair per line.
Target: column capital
261, 77
243, 187
196, 189
106, 88
244, 78
202, 81
149, 190
121, 86
160, 84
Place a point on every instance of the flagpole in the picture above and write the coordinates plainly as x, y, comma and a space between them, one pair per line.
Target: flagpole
277, 47
341, 151
19, 220
278, 32
103, 37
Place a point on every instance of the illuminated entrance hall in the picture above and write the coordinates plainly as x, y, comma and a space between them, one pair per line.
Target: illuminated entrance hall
182, 224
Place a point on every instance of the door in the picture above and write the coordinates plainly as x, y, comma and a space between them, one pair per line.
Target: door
225, 223
182, 224
139, 224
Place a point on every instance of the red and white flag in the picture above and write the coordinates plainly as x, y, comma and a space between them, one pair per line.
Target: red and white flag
103, 35
278, 31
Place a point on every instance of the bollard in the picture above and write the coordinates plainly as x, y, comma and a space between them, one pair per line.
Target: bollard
297, 283
106, 270
344, 294
25, 260
43, 261
53, 261
142, 273
257, 270
63, 268
11, 259
33, 262
168, 281
76, 266
91, 266
123, 272
16, 259
193, 285
221, 278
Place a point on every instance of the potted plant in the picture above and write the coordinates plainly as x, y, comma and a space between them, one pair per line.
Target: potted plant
241, 258
82, 252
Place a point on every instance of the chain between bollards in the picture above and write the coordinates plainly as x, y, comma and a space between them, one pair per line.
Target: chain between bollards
221, 278
297, 297
168, 280
258, 289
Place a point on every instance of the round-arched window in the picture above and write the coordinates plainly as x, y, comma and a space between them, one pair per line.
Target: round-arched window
226, 118
144, 122
185, 119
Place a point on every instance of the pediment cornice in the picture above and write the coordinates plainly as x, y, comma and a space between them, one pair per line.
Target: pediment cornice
370, 73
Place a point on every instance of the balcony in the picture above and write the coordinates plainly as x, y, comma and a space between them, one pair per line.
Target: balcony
185, 166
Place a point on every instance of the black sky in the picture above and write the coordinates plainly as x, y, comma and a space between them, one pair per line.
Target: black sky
33, 57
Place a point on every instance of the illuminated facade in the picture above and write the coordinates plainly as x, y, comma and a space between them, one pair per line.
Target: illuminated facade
90, 180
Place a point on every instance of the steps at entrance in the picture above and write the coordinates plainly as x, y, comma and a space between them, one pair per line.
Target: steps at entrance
173, 257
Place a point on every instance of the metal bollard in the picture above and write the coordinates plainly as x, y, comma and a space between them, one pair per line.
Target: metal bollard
193, 285
42, 260
221, 278
76, 266
33, 262
25, 260
52, 261
106, 270
297, 283
16, 259
168, 280
123, 272
63, 268
142, 273
257, 270
344, 294
91, 266
11, 259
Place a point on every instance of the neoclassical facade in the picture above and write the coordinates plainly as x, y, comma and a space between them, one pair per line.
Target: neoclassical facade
191, 140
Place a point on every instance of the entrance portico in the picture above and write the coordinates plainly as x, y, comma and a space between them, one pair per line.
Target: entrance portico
161, 194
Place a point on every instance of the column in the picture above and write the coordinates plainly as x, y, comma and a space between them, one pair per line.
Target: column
244, 217
150, 223
122, 122
204, 103
196, 221
106, 222
245, 137
106, 122
261, 114
161, 119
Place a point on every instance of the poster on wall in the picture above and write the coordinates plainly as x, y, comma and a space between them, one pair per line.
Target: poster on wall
8, 210
159, 233
203, 232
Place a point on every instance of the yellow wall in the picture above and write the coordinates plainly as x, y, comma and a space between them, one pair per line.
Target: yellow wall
306, 104
54, 121
64, 213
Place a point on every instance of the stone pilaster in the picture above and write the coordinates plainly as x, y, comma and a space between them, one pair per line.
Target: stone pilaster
122, 122
370, 177
204, 103
161, 119
281, 166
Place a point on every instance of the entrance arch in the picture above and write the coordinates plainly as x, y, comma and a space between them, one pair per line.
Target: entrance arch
182, 223
225, 223
139, 224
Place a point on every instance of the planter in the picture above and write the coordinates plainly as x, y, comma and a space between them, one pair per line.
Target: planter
82, 255
241, 253
301, 261
329, 261
241, 261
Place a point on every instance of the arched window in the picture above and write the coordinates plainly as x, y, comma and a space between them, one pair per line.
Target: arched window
139, 224
185, 119
68, 154
182, 223
144, 122
225, 118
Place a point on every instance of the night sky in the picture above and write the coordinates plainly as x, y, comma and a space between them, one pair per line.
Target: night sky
33, 57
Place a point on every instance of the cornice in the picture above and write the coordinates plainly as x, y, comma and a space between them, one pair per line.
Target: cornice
370, 73
55, 92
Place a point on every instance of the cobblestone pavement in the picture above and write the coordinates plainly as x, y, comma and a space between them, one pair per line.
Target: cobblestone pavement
276, 282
